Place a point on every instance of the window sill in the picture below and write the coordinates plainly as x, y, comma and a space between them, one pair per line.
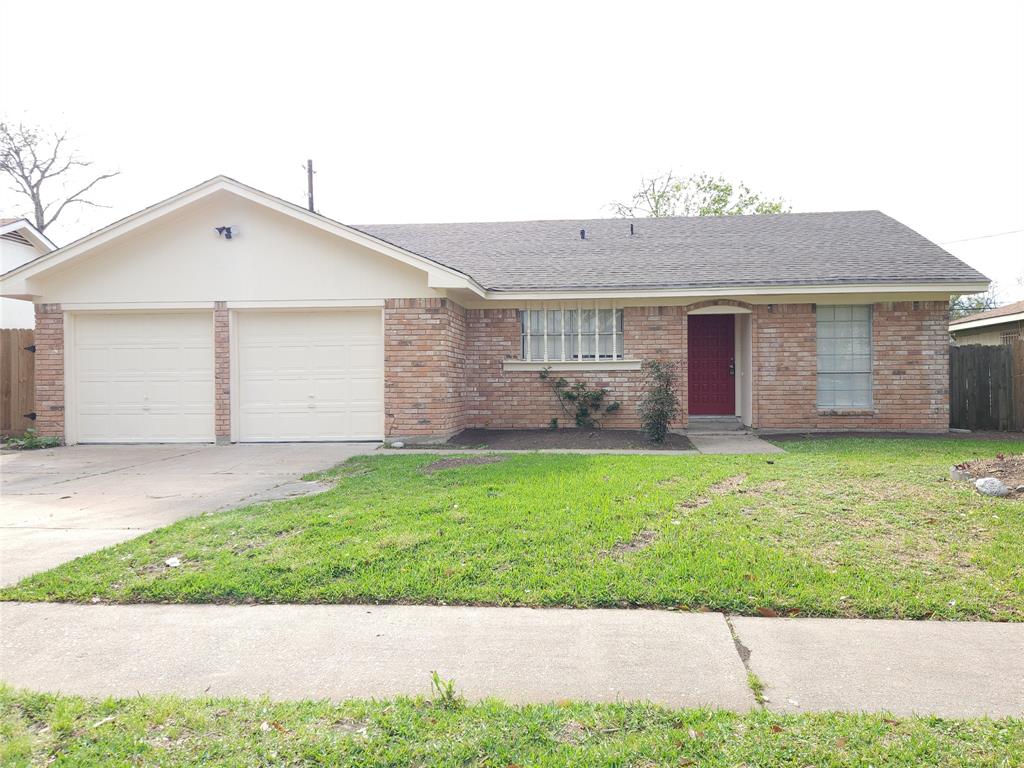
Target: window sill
847, 411
573, 365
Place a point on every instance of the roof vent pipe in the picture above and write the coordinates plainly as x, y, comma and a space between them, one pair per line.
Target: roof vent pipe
583, 234
631, 230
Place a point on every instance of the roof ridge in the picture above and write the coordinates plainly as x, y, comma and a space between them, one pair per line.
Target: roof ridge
733, 217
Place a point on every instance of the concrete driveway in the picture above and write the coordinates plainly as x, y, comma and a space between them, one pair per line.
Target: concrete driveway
62, 503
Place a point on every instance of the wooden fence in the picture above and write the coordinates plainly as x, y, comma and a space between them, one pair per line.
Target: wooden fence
986, 387
17, 380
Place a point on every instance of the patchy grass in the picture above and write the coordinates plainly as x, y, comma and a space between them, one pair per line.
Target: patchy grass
843, 527
38, 729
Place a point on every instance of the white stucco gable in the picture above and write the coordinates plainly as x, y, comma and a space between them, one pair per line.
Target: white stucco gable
172, 253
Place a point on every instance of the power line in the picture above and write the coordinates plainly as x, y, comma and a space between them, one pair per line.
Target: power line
982, 237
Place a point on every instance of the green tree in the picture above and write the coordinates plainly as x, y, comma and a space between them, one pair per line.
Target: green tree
698, 195
961, 306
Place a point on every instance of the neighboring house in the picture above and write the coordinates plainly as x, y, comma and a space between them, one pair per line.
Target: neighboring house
20, 242
160, 327
1003, 325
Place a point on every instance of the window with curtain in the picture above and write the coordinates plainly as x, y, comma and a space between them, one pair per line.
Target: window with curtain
571, 332
844, 356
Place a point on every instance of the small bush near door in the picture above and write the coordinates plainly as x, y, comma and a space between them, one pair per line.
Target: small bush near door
660, 404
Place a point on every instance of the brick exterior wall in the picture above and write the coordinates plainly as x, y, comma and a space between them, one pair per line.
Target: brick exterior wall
910, 381
444, 372
49, 370
500, 399
425, 368
222, 371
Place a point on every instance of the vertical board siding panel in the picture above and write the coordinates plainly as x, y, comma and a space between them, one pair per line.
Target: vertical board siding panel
17, 380
987, 387
1017, 385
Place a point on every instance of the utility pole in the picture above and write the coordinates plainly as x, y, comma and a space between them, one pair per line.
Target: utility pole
309, 183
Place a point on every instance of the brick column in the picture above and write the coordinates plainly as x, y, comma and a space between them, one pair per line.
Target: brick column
222, 371
49, 370
424, 368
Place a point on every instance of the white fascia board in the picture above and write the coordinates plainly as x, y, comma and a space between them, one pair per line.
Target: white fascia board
987, 321
435, 272
751, 290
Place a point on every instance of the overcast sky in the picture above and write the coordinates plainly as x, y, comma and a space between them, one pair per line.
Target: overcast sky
431, 111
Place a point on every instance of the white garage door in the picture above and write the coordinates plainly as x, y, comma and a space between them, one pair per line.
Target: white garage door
310, 375
143, 378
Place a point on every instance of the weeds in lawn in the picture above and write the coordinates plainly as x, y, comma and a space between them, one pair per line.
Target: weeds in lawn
444, 693
756, 688
31, 441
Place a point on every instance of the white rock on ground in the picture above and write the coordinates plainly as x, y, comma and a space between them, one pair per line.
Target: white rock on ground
991, 486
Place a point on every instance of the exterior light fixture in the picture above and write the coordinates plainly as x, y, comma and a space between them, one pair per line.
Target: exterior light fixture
225, 232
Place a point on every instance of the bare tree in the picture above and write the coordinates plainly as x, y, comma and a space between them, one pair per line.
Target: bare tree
31, 159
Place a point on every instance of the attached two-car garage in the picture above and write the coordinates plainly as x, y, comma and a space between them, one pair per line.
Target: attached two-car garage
296, 375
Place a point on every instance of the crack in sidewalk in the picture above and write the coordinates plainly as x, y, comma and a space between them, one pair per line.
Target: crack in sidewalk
755, 683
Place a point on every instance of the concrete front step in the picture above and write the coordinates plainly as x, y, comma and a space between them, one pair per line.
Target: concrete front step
714, 424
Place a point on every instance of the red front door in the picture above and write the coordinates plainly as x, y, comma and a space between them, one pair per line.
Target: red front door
712, 365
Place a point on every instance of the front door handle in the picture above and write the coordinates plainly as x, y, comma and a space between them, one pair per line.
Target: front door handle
732, 367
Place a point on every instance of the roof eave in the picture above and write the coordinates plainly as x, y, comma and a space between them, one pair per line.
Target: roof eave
985, 322
950, 288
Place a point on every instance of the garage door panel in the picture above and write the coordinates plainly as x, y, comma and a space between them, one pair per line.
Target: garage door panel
144, 377
364, 424
302, 375
364, 356
364, 389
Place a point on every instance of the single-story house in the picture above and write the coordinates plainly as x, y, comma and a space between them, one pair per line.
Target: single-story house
1003, 325
20, 242
227, 314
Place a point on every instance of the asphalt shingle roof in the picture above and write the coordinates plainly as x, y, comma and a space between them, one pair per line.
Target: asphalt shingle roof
1004, 311
682, 252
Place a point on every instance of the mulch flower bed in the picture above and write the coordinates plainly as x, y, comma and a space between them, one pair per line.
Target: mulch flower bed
1009, 469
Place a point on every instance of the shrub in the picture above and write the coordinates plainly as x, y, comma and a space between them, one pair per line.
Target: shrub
30, 441
578, 401
660, 404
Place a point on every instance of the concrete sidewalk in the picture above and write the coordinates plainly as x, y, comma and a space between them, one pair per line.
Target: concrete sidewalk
517, 654
344, 651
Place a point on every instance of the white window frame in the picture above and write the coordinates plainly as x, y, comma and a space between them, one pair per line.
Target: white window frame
526, 335
869, 404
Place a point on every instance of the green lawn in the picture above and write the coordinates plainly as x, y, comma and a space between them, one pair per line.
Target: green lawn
844, 527
37, 729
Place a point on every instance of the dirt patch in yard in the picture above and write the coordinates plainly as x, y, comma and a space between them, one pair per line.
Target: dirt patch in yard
728, 485
566, 439
1009, 469
572, 732
642, 540
460, 461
